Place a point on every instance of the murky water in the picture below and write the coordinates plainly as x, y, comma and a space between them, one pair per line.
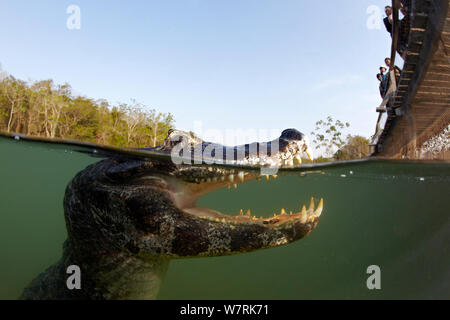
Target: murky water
390, 214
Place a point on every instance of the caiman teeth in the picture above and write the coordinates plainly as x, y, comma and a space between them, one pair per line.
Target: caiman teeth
234, 186
241, 177
311, 206
304, 216
319, 209
274, 176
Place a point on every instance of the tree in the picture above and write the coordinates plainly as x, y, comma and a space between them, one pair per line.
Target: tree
134, 119
14, 93
159, 124
356, 147
58, 101
328, 135
105, 122
35, 96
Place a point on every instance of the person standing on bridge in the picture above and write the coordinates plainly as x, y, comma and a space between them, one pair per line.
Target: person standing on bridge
383, 71
398, 71
384, 79
380, 78
388, 20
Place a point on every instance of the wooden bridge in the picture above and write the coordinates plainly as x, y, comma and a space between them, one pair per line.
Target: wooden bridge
418, 107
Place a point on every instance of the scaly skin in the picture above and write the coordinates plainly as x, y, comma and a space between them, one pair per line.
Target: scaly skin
127, 218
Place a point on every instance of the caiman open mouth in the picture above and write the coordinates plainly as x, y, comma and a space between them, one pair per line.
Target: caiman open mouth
186, 201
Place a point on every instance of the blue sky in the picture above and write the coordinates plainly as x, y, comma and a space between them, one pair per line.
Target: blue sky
231, 64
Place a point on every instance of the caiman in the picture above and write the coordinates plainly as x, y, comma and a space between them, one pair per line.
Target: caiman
127, 217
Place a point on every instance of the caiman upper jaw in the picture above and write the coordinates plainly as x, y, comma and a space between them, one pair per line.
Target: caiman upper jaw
283, 151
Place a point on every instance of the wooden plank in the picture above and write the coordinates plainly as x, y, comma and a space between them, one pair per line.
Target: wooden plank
420, 21
409, 67
442, 83
412, 57
440, 69
422, 7
433, 89
415, 47
438, 76
440, 59
417, 37
439, 105
433, 99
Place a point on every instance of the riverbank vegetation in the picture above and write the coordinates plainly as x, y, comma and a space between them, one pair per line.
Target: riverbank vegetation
50, 110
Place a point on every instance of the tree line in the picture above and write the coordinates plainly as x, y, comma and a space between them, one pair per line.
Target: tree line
45, 109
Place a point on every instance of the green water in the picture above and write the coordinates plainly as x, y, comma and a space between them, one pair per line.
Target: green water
383, 214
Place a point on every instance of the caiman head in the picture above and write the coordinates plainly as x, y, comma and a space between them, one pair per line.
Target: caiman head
148, 207
128, 215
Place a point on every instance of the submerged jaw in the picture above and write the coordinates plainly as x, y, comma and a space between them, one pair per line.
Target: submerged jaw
232, 180
304, 216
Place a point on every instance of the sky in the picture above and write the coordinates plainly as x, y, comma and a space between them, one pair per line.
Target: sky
221, 67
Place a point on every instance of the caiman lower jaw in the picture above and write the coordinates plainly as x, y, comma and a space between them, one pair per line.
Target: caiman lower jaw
284, 218
188, 193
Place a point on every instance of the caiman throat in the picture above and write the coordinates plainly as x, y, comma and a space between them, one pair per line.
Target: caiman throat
127, 217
